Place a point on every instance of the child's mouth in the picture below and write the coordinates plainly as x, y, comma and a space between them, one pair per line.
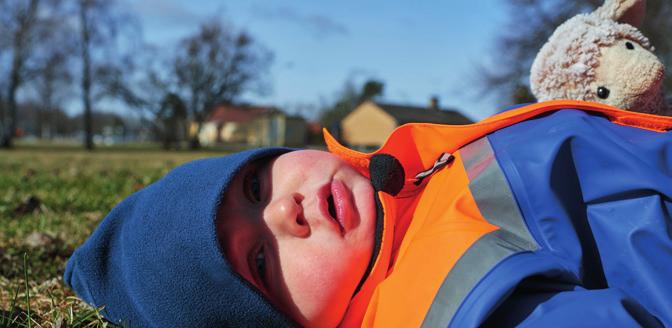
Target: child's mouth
332, 206
333, 212
334, 203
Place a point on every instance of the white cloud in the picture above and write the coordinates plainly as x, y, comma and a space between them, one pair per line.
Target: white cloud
319, 25
165, 12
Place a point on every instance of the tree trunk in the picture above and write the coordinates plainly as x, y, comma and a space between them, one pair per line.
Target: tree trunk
194, 142
14, 82
10, 125
47, 118
44, 126
2, 119
86, 76
20, 43
3, 134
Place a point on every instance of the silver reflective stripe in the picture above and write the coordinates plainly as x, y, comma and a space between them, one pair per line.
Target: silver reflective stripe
495, 201
491, 191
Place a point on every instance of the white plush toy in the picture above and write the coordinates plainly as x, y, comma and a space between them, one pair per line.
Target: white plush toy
602, 57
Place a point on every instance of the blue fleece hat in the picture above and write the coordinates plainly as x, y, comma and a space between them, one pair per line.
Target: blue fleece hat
155, 260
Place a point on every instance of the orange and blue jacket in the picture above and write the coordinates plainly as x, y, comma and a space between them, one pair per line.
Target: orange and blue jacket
551, 214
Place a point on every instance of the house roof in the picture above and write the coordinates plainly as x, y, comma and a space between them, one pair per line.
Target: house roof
314, 127
413, 114
238, 114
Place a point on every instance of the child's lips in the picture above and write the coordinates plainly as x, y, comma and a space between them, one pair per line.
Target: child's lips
342, 204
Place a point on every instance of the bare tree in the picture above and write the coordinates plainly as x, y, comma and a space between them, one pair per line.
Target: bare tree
217, 65
86, 29
507, 76
153, 91
51, 69
17, 22
171, 118
52, 85
102, 66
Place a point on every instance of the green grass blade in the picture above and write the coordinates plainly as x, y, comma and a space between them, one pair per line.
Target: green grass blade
25, 277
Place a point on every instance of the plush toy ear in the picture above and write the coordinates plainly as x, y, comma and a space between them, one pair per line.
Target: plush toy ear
623, 11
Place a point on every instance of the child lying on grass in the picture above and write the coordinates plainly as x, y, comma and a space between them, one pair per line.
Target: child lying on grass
556, 213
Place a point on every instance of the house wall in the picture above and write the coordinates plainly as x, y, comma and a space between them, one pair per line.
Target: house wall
296, 132
272, 129
208, 134
277, 129
367, 126
259, 132
232, 132
213, 133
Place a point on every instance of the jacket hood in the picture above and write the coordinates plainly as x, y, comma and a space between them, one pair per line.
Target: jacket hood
155, 260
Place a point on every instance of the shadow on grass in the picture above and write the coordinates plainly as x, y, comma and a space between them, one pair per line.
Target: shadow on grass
23, 309
15, 317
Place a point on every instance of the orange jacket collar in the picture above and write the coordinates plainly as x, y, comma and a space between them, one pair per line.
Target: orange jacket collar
417, 147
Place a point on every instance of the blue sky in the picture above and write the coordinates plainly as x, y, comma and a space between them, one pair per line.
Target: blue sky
418, 48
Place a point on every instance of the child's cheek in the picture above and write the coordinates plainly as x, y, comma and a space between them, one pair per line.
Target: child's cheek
321, 280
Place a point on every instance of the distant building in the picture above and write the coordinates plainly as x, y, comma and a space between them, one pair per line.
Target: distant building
315, 137
370, 123
253, 126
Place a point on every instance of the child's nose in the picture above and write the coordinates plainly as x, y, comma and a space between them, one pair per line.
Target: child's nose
286, 214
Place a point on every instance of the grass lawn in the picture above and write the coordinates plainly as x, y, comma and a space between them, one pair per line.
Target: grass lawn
50, 201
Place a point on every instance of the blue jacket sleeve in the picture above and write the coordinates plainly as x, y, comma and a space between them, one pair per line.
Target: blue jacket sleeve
597, 198
541, 304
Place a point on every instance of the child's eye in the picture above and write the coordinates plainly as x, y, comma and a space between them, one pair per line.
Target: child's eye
252, 186
260, 264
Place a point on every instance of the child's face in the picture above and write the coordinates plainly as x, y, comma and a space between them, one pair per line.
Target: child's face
300, 228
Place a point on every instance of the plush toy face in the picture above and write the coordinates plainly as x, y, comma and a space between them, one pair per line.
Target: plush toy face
602, 57
629, 76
